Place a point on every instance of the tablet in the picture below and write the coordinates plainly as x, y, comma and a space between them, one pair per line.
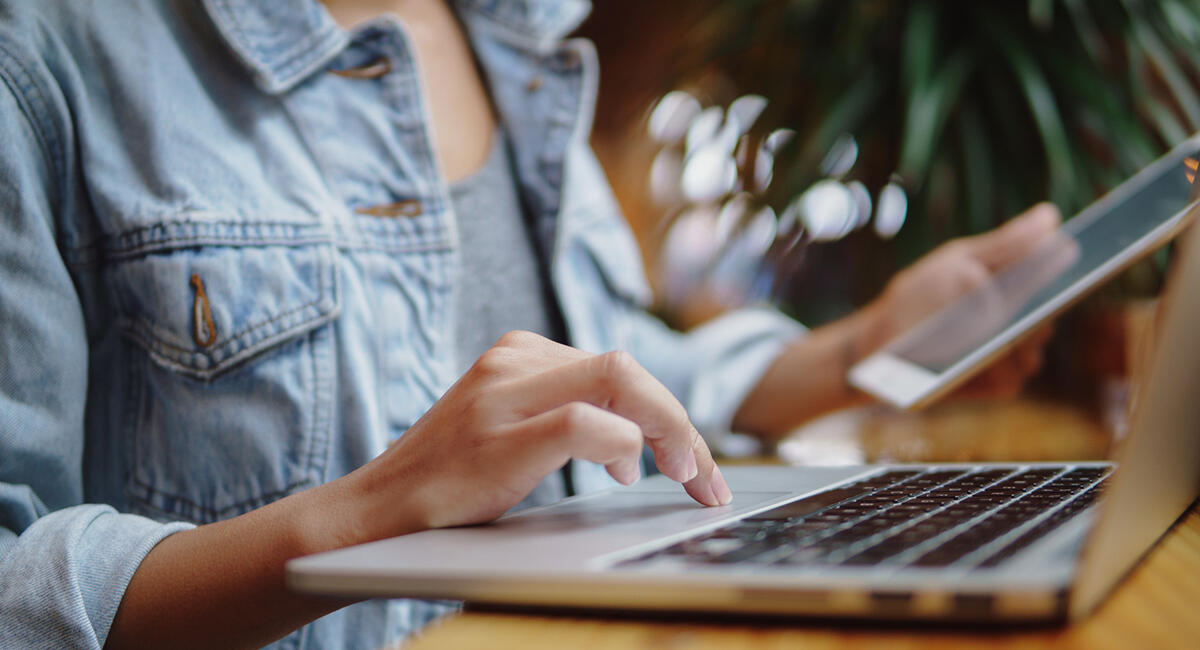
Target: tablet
959, 340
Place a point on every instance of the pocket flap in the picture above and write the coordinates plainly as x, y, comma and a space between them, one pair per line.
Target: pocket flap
204, 309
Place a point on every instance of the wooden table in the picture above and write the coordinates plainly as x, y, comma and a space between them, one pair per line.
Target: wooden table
1157, 606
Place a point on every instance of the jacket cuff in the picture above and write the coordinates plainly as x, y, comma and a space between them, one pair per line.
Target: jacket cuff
63, 579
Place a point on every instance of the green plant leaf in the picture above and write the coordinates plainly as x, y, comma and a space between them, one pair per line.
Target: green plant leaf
925, 118
1184, 19
1089, 35
1044, 109
983, 107
1143, 34
1019, 160
1095, 94
1169, 128
978, 173
920, 40
1041, 13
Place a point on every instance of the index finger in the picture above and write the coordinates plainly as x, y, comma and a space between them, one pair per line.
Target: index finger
708, 486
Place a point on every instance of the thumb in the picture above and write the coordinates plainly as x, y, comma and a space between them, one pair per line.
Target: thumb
1016, 238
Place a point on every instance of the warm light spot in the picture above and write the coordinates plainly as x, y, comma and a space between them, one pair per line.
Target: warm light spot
1191, 163
1191, 178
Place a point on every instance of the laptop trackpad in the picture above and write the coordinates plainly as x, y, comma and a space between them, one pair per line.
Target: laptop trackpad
630, 511
573, 532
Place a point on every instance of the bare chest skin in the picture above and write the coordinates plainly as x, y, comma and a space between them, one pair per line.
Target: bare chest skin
460, 111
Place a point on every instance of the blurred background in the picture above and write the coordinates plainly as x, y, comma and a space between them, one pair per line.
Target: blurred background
800, 152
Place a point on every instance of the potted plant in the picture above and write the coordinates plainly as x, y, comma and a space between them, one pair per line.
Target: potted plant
974, 110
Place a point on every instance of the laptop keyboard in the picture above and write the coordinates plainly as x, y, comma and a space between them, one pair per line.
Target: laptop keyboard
919, 518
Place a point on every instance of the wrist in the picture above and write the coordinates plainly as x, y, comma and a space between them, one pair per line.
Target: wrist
860, 338
355, 509
382, 500
866, 332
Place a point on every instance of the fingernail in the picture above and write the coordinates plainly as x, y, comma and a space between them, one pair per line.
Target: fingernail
720, 488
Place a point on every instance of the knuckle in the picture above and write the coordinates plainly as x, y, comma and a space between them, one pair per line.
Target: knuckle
678, 428
631, 434
516, 339
617, 365
625, 439
576, 415
493, 361
972, 276
697, 441
954, 249
965, 255
632, 444
684, 422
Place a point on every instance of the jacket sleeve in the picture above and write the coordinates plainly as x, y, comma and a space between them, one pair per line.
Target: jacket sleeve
64, 564
712, 368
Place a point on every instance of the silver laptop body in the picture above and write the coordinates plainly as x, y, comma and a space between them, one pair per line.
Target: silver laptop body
650, 547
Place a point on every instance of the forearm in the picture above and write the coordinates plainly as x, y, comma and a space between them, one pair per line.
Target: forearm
808, 379
222, 584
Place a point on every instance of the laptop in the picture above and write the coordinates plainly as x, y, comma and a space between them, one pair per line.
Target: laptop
930, 542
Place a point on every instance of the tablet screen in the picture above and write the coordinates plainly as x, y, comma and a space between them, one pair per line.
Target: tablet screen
1127, 224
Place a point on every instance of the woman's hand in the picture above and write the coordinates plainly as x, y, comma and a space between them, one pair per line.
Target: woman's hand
966, 264
809, 377
522, 410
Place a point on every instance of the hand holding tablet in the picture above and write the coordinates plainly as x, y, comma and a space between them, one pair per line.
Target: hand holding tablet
1021, 288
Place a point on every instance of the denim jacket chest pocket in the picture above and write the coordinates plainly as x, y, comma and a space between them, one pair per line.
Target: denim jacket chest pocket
231, 366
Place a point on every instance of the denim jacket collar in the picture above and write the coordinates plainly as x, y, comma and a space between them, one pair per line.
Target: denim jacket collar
283, 41
279, 41
534, 24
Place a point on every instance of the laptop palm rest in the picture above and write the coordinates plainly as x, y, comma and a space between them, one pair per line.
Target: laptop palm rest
566, 537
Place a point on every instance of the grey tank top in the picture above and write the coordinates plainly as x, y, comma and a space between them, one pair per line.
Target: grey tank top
503, 283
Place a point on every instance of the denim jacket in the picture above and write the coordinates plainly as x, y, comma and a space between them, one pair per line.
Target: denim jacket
226, 275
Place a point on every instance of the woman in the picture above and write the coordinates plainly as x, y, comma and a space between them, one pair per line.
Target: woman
251, 251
